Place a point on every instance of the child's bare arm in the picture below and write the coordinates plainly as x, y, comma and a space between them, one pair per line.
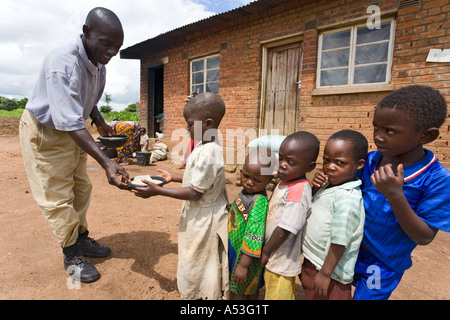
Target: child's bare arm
391, 186
240, 275
323, 277
278, 237
186, 193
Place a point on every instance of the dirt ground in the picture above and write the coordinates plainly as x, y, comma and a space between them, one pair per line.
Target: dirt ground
142, 234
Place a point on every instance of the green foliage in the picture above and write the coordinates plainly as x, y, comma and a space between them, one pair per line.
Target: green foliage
13, 113
122, 116
12, 104
105, 109
131, 108
22, 103
107, 98
15, 108
128, 114
8, 104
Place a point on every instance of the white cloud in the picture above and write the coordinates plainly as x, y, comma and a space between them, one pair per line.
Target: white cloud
29, 29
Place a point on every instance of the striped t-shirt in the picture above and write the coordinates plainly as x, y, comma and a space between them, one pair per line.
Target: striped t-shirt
337, 216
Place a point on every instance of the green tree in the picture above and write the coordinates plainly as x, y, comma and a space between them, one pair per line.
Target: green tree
105, 109
22, 103
8, 104
130, 108
107, 98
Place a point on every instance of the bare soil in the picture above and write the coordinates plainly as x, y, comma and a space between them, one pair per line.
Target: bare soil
142, 234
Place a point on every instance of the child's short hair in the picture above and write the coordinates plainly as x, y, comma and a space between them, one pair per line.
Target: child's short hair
360, 143
307, 139
207, 105
425, 105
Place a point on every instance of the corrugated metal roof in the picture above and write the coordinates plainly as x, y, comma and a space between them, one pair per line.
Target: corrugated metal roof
179, 35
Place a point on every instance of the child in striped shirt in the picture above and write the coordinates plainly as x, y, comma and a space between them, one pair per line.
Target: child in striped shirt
334, 229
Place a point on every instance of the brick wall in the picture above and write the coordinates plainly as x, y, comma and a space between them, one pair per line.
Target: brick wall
413, 42
419, 28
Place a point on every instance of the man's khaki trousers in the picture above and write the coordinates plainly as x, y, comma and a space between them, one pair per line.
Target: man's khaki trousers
56, 170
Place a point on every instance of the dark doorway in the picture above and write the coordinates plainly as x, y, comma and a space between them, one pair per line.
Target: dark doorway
155, 100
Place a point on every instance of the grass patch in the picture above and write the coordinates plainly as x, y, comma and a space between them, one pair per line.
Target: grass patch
121, 115
13, 113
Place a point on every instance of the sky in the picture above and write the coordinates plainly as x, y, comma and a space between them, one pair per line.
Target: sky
30, 29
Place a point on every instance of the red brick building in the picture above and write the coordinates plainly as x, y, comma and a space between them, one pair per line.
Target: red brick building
319, 66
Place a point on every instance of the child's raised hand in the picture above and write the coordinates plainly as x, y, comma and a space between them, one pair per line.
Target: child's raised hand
319, 179
385, 180
166, 175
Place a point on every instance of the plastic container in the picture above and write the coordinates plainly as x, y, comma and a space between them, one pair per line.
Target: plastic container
110, 152
143, 158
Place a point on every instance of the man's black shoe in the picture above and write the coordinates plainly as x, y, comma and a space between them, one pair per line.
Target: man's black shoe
81, 270
90, 248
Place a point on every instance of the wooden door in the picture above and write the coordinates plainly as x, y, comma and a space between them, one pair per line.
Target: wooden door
280, 99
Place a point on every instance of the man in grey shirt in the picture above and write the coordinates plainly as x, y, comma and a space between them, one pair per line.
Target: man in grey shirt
55, 142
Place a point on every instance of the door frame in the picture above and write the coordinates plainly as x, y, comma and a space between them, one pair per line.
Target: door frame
266, 45
147, 117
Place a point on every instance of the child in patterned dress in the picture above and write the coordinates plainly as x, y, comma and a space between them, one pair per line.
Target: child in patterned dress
246, 226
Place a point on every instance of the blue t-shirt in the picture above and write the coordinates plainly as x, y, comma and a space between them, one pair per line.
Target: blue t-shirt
427, 189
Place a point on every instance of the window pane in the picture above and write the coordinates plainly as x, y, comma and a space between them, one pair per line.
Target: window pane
212, 87
205, 74
336, 40
197, 89
370, 74
334, 77
197, 65
197, 77
213, 62
212, 75
372, 53
333, 59
366, 35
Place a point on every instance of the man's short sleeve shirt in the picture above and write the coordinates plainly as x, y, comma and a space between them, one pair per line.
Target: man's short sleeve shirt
67, 89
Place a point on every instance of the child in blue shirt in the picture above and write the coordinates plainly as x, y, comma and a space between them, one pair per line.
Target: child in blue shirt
405, 189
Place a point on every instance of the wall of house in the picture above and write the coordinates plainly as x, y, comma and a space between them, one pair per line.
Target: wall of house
418, 28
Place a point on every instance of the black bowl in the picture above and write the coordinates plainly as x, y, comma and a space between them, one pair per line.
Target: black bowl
115, 141
143, 185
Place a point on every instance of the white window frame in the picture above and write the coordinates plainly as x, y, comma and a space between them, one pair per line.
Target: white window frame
204, 72
360, 87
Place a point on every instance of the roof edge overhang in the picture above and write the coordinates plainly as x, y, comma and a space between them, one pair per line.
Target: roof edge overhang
179, 35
